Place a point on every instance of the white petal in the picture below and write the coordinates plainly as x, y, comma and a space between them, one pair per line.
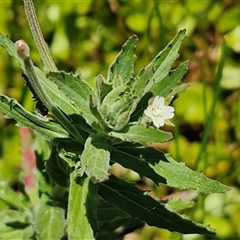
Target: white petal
168, 112
168, 115
148, 112
168, 109
158, 122
156, 105
158, 101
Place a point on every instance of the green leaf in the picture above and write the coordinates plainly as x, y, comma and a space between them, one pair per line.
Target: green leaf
82, 209
96, 157
58, 169
80, 94
176, 91
9, 46
102, 87
168, 83
13, 222
141, 206
13, 199
133, 156
28, 233
51, 88
14, 218
142, 134
48, 129
165, 169
50, 220
115, 108
54, 94
9, 233
182, 177
39, 104
122, 68
177, 201
159, 67
115, 97
117, 104
114, 223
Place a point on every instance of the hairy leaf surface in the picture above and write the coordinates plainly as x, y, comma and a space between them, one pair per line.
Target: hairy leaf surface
79, 92
141, 206
82, 209
142, 134
96, 157
178, 175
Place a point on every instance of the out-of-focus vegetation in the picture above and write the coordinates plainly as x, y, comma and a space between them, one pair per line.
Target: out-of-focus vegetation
85, 36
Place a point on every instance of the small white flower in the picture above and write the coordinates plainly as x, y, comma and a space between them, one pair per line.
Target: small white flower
157, 112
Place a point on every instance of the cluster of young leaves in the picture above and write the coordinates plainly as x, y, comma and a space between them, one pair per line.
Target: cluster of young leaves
108, 120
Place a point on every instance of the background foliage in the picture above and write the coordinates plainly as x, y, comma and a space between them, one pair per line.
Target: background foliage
85, 36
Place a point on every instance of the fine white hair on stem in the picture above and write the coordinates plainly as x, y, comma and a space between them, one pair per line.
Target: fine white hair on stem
38, 36
22, 49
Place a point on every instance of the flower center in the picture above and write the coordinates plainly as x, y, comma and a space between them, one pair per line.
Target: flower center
157, 112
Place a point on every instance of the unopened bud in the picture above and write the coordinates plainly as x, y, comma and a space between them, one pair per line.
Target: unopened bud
22, 49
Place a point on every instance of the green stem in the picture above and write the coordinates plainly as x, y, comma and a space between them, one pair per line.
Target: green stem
38, 36
24, 52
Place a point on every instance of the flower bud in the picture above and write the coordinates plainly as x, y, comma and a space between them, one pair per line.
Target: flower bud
22, 49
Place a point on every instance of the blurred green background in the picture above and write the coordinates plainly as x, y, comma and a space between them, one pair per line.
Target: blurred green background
85, 36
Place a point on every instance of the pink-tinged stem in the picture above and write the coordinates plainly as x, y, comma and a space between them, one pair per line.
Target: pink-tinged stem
28, 158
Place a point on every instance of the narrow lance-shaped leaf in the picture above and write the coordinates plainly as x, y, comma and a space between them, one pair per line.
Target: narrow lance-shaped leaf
159, 67
122, 68
168, 83
113, 222
102, 87
139, 205
153, 78
136, 162
48, 129
165, 169
180, 176
141, 133
115, 102
82, 208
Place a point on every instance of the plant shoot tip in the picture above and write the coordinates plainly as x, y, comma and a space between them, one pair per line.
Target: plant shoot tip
22, 49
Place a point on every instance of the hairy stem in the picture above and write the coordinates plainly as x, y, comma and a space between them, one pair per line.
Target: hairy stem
24, 52
38, 36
